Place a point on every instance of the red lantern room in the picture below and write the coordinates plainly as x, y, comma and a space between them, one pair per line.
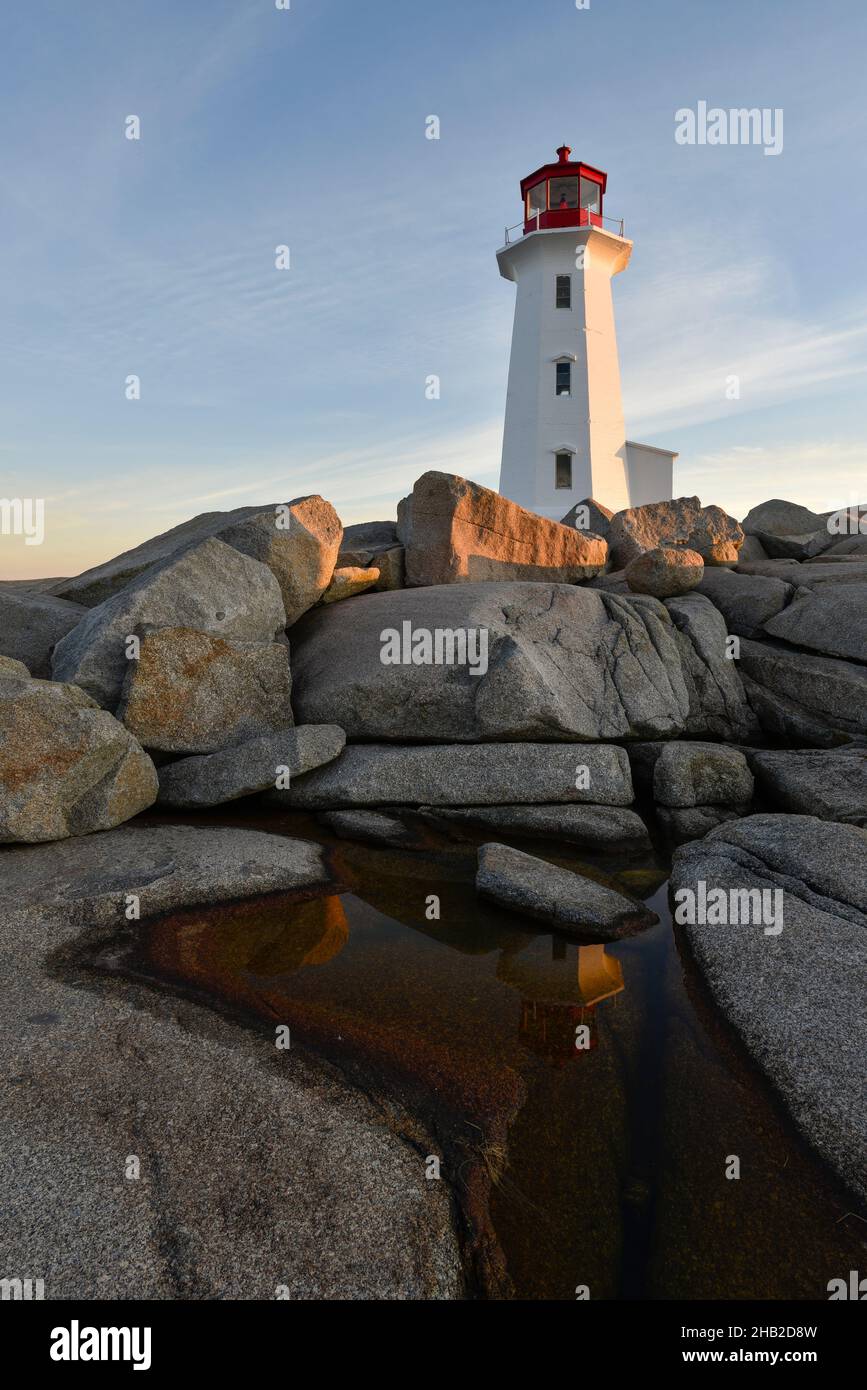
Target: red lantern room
565, 194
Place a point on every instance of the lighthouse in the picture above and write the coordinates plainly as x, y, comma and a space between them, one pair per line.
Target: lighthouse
564, 438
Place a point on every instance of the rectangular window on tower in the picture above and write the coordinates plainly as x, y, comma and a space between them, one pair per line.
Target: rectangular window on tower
564, 378
563, 470
563, 292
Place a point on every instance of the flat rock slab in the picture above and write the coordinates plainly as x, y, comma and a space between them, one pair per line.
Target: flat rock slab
487, 661
459, 532
259, 1170
247, 768
812, 574
466, 775
796, 998
591, 827
567, 901
167, 867
829, 784
831, 619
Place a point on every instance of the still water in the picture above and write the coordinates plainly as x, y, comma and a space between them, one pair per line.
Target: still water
600, 1165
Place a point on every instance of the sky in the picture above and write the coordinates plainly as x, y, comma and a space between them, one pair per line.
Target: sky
306, 127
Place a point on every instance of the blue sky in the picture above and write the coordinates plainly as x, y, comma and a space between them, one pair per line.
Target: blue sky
306, 127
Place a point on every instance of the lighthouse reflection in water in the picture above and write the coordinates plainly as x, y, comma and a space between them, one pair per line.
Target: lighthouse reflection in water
561, 986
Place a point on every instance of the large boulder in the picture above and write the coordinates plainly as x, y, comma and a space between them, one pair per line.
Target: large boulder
211, 587
831, 619
459, 532
809, 700
718, 705
684, 521
746, 601
665, 572
66, 766
191, 692
550, 661
31, 623
253, 766
780, 518
298, 541
828, 783
566, 901
795, 996
369, 774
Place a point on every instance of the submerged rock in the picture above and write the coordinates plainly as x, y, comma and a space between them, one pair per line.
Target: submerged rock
371, 827
459, 532
465, 775
567, 901
212, 588
796, 997
66, 766
192, 692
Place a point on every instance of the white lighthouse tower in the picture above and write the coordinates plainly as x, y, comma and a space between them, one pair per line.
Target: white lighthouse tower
564, 438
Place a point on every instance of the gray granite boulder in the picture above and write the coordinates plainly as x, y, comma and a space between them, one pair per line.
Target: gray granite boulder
192, 692
718, 706
249, 767
746, 601
566, 901
465, 775
211, 587
66, 766
297, 540
831, 619
810, 700
684, 823
795, 547
515, 661
846, 569
371, 827
31, 623
701, 774
375, 544
830, 784
590, 517
780, 518
796, 996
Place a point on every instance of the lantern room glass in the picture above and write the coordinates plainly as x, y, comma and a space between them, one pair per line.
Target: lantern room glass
537, 198
590, 195
564, 193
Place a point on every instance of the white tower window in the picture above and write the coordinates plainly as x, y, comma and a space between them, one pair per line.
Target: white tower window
563, 470
563, 292
563, 378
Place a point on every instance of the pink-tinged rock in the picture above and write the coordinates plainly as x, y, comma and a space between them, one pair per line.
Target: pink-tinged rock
665, 572
684, 522
458, 532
